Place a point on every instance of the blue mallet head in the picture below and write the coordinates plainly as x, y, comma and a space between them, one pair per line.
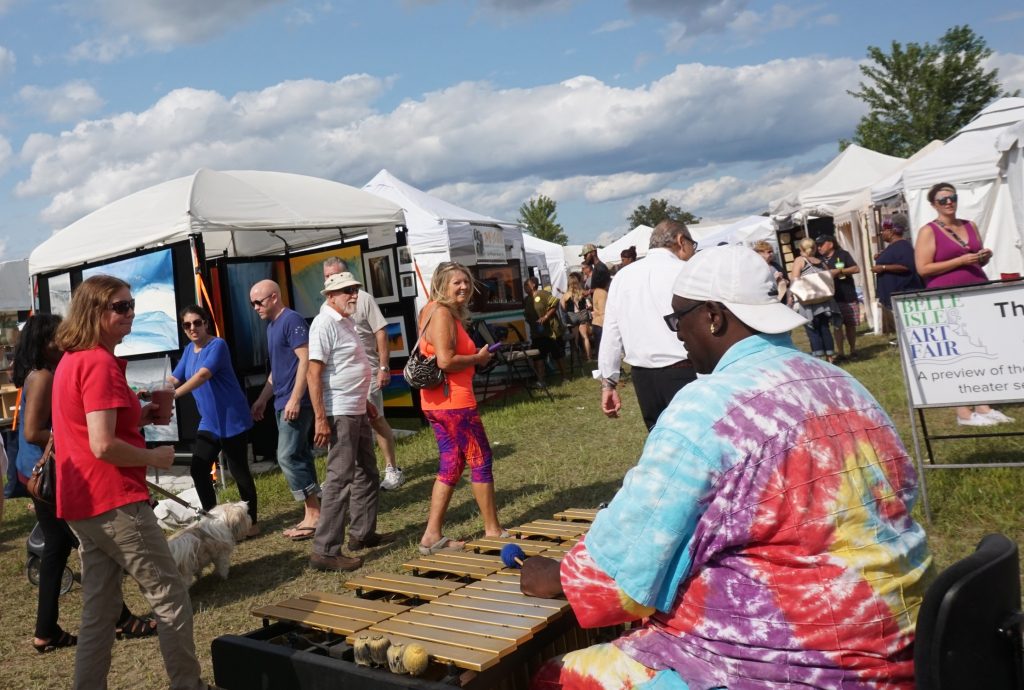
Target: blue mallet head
512, 556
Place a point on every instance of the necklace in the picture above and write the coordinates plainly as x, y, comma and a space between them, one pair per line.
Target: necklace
952, 233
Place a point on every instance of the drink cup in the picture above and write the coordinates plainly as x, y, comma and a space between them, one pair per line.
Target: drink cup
163, 399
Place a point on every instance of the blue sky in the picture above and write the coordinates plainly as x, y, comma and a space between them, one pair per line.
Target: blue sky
718, 105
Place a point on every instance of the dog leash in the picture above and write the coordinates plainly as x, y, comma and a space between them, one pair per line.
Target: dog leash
160, 490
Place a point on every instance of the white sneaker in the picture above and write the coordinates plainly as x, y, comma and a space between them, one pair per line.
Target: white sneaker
393, 478
976, 420
997, 417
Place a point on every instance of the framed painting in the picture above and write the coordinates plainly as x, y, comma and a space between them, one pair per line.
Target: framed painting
397, 393
405, 258
398, 341
381, 277
151, 276
59, 287
308, 276
145, 375
407, 284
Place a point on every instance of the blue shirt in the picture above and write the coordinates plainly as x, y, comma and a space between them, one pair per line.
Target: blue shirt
223, 409
284, 334
28, 453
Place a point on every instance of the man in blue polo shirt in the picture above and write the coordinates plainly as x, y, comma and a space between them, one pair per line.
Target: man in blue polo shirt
288, 344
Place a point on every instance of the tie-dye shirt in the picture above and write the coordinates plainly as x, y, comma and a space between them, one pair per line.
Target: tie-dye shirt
765, 531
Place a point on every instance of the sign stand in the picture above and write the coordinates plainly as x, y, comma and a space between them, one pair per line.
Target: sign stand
969, 336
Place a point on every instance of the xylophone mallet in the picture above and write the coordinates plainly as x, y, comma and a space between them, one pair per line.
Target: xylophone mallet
512, 556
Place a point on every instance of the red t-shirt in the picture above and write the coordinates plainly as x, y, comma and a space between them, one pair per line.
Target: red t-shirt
89, 381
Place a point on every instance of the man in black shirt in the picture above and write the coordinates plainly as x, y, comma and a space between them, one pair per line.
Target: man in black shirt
843, 267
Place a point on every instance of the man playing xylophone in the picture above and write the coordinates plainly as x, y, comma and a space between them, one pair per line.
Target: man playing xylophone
764, 537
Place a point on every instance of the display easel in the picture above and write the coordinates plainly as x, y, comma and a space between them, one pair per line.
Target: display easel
959, 347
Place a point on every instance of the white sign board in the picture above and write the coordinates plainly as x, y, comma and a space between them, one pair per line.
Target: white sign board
963, 346
489, 245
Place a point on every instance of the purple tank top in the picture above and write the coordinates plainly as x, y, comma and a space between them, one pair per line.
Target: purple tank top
947, 248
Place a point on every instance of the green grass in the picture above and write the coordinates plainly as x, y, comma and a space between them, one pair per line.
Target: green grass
548, 456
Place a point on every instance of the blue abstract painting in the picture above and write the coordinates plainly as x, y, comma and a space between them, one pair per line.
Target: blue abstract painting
151, 276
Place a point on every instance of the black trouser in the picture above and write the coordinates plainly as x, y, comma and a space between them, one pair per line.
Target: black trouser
655, 388
235, 448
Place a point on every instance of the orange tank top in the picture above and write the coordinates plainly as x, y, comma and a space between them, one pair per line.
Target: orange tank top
460, 384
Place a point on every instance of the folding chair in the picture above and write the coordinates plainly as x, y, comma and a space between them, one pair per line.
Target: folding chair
512, 362
969, 627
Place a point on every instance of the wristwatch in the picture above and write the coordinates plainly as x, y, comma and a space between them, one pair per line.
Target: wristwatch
382, 367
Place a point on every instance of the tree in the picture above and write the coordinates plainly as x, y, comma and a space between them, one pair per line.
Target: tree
918, 93
657, 211
540, 219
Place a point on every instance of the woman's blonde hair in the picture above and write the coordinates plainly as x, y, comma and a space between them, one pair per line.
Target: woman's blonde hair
439, 288
762, 246
80, 329
575, 286
808, 247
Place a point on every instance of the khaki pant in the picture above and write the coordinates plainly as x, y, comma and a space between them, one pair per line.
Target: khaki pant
128, 539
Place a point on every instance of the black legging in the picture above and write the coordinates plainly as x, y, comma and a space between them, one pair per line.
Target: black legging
235, 449
59, 540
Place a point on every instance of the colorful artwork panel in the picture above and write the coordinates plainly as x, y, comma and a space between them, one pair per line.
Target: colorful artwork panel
397, 393
308, 276
398, 342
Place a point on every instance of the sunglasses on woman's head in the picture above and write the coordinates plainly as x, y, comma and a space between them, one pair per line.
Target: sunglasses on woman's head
122, 307
943, 200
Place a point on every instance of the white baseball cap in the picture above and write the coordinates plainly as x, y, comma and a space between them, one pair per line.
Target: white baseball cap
741, 280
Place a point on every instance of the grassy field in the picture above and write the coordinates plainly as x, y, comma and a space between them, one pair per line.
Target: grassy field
548, 456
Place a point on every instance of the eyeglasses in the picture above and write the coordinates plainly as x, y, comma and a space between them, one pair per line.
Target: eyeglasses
944, 200
692, 241
189, 325
672, 320
350, 290
122, 307
259, 302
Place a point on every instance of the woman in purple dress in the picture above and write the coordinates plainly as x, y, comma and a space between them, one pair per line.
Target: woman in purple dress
948, 253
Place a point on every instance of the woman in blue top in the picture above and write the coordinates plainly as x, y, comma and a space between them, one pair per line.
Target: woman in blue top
205, 371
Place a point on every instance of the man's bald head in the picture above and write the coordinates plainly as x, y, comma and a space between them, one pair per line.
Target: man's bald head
265, 297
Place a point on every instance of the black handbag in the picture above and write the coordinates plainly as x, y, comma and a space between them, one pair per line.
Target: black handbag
42, 485
422, 371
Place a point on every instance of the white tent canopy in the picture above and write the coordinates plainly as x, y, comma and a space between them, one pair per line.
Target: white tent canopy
838, 182
639, 237
440, 231
743, 231
970, 160
554, 258
15, 289
234, 211
1011, 162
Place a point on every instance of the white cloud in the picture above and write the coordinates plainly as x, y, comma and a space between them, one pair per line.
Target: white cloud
614, 25
162, 24
5, 154
1011, 70
63, 103
299, 17
7, 61
103, 50
581, 138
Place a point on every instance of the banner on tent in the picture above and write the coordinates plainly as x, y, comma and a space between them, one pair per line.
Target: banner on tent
962, 346
489, 245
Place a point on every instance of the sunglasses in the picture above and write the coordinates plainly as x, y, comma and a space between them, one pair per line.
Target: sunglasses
672, 320
944, 200
691, 241
189, 325
350, 290
259, 302
122, 307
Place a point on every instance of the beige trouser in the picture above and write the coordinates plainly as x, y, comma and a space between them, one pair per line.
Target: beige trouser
128, 539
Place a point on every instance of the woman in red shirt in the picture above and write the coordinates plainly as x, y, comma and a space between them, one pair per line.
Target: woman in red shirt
451, 409
101, 487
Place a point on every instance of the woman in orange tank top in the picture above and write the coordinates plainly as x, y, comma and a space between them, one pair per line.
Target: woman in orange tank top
451, 410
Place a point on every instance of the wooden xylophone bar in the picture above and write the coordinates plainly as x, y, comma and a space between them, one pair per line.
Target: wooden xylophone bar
464, 607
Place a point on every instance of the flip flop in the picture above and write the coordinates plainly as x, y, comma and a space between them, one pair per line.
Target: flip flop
300, 533
442, 544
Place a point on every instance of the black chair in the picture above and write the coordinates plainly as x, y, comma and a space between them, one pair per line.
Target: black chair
512, 362
969, 629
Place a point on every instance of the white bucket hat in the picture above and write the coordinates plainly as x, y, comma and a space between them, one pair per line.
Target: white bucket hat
339, 281
742, 281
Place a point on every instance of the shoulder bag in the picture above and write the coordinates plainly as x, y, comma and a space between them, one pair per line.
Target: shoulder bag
42, 485
814, 287
422, 371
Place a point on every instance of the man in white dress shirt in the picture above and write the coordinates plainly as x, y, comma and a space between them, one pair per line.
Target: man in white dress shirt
640, 296
371, 327
338, 379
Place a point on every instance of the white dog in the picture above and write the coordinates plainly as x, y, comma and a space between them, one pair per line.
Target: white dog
211, 540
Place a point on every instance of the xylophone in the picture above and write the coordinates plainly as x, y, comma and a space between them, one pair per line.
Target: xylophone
464, 608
